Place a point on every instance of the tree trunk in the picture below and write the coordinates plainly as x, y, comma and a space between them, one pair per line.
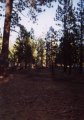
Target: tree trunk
6, 32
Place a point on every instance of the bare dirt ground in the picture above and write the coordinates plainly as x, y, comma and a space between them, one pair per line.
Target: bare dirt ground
39, 97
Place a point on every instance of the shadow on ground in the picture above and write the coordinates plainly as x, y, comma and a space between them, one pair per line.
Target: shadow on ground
39, 97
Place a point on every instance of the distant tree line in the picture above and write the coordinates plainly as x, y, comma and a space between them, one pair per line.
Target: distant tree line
46, 53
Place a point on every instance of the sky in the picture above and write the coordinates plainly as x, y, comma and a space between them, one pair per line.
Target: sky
42, 25
45, 20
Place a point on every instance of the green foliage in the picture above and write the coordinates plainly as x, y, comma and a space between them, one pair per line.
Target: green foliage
22, 48
40, 53
13, 8
80, 20
51, 47
68, 49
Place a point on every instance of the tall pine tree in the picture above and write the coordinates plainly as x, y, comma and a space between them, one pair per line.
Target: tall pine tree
66, 14
80, 20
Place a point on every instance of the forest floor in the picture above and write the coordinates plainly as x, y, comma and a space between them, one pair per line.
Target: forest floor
40, 97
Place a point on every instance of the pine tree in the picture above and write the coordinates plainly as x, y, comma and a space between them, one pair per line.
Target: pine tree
80, 18
11, 17
69, 39
23, 49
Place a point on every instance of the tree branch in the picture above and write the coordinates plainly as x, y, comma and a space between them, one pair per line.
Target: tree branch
14, 31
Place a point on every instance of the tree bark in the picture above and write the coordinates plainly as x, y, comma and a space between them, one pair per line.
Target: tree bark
6, 31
